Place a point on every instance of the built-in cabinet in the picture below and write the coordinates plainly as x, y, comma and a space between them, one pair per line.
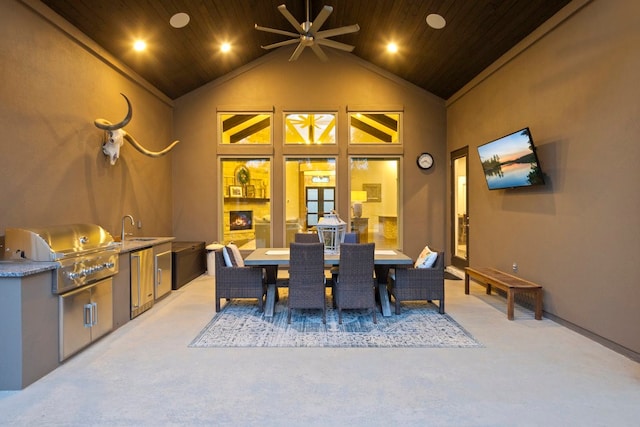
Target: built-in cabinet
159, 269
34, 340
28, 329
87, 316
163, 269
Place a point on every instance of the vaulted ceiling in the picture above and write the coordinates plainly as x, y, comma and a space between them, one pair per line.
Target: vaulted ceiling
179, 60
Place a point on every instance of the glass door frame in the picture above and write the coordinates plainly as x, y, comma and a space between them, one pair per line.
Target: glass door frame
456, 260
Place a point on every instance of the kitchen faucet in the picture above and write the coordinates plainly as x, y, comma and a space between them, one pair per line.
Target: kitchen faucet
132, 223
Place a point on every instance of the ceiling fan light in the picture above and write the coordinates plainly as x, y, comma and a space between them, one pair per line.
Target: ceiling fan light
309, 33
179, 20
436, 21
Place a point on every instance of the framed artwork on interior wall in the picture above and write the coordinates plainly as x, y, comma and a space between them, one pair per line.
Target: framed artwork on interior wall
235, 191
250, 191
373, 192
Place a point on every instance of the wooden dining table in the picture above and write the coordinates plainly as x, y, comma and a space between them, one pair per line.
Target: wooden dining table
278, 257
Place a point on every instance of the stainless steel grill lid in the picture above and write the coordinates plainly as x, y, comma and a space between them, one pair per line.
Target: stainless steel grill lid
56, 242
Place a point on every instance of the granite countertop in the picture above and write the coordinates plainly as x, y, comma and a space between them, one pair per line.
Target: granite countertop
22, 268
135, 243
18, 268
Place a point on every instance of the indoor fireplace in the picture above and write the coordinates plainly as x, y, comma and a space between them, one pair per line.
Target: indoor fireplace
240, 220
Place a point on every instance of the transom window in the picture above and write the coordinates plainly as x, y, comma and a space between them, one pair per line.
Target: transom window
374, 128
310, 128
245, 128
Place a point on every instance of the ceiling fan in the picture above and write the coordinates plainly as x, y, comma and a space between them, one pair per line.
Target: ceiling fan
309, 33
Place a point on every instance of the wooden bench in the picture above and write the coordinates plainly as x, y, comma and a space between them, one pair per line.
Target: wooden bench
512, 285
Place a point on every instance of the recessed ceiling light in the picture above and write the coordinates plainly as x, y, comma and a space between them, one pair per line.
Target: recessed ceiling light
139, 45
225, 47
392, 48
436, 21
179, 20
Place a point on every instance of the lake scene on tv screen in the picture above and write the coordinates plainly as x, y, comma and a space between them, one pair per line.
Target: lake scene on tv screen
510, 161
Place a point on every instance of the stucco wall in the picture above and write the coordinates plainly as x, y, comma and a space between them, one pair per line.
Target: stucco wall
52, 168
576, 88
309, 85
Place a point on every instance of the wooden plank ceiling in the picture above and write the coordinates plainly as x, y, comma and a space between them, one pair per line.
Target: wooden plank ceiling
180, 60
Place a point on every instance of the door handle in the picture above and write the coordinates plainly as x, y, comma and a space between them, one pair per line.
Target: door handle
94, 312
159, 275
137, 305
87, 316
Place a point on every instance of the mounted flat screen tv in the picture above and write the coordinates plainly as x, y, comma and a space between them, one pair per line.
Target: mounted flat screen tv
511, 161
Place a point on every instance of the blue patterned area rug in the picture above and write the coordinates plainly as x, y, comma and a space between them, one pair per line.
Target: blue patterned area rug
240, 324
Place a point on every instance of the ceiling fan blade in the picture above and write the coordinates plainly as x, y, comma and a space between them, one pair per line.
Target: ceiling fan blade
297, 52
280, 44
283, 10
273, 30
338, 31
336, 45
318, 50
322, 16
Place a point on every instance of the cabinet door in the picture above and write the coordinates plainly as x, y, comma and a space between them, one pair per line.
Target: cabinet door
163, 274
142, 281
102, 302
75, 322
122, 292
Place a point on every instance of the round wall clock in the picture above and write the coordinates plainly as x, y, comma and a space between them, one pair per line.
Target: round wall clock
242, 175
425, 161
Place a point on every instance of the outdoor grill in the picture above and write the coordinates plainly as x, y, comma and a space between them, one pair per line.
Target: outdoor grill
85, 253
87, 259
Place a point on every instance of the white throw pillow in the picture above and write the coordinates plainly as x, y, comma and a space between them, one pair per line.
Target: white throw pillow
236, 254
430, 261
426, 259
422, 257
228, 256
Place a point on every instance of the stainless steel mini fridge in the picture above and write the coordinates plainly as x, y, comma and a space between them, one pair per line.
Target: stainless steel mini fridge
141, 281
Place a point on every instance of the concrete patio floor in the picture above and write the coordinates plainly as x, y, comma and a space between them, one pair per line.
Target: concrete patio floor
529, 373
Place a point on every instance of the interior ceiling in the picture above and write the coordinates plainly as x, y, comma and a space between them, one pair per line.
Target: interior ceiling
178, 61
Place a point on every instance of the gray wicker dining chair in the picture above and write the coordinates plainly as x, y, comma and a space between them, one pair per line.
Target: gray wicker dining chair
416, 284
348, 238
355, 287
306, 238
238, 282
306, 278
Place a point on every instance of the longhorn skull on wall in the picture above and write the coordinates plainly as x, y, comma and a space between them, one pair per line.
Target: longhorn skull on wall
114, 137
